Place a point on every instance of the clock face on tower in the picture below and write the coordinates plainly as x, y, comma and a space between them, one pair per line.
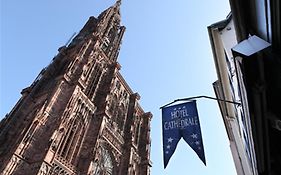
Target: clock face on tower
104, 165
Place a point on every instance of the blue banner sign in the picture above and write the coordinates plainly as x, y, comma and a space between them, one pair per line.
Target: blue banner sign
179, 121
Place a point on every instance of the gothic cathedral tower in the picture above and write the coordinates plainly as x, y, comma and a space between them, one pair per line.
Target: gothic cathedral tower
79, 116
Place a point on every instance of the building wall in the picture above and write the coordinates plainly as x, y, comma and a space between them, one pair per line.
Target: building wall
236, 117
260, 74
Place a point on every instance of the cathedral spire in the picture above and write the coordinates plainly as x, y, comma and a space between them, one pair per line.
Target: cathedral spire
118, 3
117, 6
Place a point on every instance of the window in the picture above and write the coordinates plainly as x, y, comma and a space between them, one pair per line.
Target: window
105, 45
103, 165
95, 78
74, 132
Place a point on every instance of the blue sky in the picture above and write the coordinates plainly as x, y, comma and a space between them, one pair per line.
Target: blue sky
165, 55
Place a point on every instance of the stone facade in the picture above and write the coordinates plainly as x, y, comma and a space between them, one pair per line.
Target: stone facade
79, 116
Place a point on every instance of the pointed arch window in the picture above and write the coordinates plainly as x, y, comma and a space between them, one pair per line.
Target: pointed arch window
121, 116
112, 33
96, 74
74, 133
105, 45
137, 130
113, 104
